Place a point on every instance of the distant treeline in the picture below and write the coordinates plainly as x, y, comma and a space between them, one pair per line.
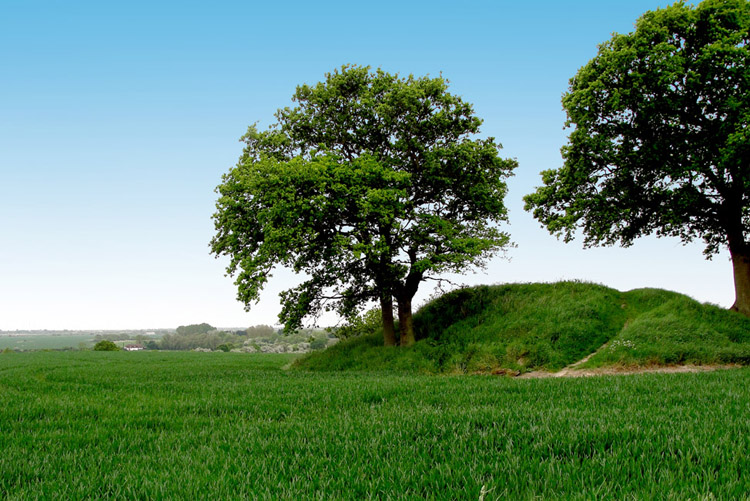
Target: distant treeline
206, 336
190, 337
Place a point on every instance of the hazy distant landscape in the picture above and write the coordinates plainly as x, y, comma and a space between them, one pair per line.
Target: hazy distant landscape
24, 340
203, 337
64, 335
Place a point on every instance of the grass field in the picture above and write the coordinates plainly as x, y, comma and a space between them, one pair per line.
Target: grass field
95, 425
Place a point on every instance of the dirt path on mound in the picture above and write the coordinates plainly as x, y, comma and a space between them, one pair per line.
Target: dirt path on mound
572, 370
610, 371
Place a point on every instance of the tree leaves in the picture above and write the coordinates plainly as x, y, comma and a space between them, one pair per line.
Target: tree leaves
368, 185
659, 141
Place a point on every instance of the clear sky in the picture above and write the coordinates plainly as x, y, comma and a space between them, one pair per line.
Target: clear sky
117, 120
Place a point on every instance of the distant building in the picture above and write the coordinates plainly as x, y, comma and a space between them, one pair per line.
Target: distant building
133, 347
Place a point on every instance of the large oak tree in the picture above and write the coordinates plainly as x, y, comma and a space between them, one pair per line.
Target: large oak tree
371, 184
661, 137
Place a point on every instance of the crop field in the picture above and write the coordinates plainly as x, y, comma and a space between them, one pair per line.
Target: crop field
154, 425
44, 342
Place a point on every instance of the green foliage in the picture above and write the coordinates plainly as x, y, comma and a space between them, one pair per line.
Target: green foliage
549, 326
370, 184
318, 342
296, 337
205, 336
231, 426
106, 345
369, 322
195, 338
660, 141
260, 331
188, 330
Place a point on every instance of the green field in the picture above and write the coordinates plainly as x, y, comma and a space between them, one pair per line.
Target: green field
156, 425
45, 342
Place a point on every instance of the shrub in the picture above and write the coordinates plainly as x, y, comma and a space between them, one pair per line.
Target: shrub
318, 343
260, 331
367, 323
106, 345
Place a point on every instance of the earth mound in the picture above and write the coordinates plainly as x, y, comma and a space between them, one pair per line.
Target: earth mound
518, 328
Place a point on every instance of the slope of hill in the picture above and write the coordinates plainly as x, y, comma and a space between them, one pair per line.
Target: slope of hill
524, 327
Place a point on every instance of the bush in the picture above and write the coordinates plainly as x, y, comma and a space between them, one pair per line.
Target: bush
260, 331
318, 343
106, 345
367, 323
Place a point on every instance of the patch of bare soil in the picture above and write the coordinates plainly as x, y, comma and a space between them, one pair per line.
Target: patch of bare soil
610, 371
573, 370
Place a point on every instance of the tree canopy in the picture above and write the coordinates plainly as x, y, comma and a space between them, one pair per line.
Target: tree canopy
203, 328
106, 345
660, 141
370, 185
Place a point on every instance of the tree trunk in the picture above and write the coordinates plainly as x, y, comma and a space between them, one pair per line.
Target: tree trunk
389, 331
405, 323
741, 265
404, 294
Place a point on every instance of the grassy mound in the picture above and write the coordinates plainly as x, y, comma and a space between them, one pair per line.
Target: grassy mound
526, 327
669, 328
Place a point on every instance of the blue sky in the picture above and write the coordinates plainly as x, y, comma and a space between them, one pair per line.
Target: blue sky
117, 121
